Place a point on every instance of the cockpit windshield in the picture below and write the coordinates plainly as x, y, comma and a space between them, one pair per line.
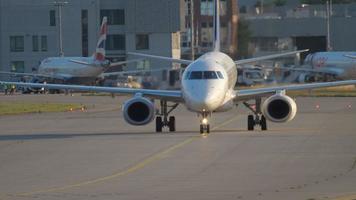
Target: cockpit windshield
220, 75
210, 75
195, 75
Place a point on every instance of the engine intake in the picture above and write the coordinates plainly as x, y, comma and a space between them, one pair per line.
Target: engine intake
138, 111
279, 108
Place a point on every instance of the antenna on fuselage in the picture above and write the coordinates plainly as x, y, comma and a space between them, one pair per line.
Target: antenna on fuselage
216, 25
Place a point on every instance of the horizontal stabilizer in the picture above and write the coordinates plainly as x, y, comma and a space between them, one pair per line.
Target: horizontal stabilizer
125, 62
252, 60
132, 72
181, 61
81, 62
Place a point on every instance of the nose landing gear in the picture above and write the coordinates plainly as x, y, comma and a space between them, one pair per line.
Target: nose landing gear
204, 124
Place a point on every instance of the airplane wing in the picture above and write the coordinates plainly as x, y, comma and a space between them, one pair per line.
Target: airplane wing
110, 65
350, 56
17, 73
169, 95
324, 70
132, 72
80, 62
252, 60
25, 74
244, 61
246, 94
125, 62
181, 61
50, 76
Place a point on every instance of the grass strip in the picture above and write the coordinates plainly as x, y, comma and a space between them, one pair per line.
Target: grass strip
15, 108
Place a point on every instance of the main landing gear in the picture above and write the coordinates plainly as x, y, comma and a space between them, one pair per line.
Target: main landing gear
204, 124
258, 118
163, 120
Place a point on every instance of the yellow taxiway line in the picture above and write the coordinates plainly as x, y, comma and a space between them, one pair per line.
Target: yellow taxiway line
134, 168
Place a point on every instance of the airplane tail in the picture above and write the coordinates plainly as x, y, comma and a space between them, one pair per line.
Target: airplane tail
100, 47
216, 25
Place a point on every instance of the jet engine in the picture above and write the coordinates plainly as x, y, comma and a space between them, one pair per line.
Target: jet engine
279, 108
138, 111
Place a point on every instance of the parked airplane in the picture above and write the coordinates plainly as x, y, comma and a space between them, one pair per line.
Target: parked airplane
75, 70
207, 87
326, 66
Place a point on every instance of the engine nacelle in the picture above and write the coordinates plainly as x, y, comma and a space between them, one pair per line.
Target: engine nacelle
138, 111
279, 108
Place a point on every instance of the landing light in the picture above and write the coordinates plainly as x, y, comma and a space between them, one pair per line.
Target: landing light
204, 121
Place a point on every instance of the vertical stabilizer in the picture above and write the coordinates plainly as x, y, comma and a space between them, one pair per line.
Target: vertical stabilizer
100, 47
216, 25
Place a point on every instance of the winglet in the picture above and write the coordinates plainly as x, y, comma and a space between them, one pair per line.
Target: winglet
100, 47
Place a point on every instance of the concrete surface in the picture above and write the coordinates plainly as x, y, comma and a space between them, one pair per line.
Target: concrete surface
96, 155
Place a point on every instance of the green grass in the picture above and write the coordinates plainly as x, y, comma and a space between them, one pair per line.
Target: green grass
11, 108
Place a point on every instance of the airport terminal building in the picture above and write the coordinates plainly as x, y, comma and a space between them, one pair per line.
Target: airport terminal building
299, 26
29, 30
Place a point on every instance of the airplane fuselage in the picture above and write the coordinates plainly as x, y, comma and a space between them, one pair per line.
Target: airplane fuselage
337, 63
65, 69
208, 82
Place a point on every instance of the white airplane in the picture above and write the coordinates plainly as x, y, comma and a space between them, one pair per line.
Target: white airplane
333, 65
207, 87
78, 70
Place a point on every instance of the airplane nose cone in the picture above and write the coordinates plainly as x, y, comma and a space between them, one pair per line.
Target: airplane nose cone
210, 102
207, 102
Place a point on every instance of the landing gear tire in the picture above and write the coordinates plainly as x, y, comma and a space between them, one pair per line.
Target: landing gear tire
263, 123
257, 118
250, 123
201, 129
159, 124
204, 129
172, 124
163, 119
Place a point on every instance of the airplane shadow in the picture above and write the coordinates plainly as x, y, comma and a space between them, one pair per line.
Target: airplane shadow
50, 136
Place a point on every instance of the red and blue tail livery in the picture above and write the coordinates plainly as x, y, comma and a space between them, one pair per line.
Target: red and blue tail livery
100, 47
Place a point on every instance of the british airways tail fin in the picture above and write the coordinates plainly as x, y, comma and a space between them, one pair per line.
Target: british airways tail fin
100, 47
216, 25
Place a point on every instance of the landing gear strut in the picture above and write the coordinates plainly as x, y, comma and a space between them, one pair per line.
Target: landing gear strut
163, 120
258, 118
204, 124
